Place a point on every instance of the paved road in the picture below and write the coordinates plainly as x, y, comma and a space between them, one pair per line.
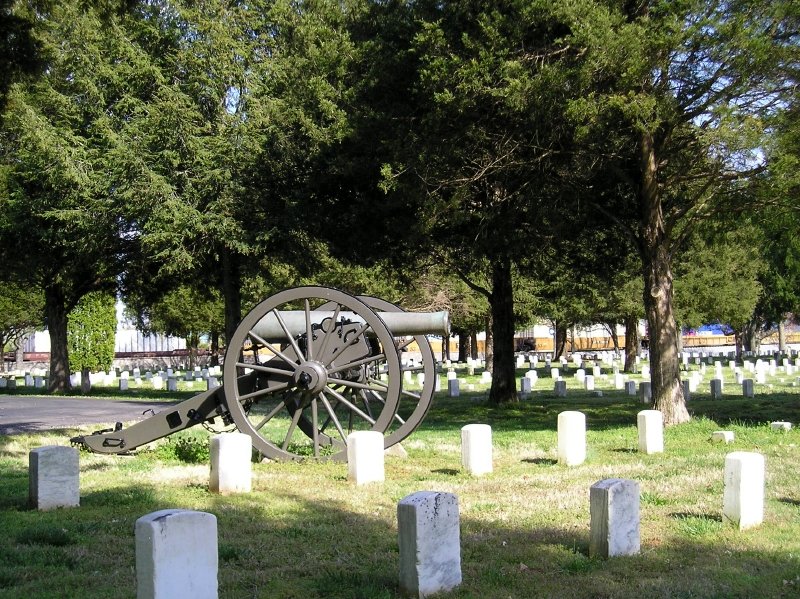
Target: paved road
25, 413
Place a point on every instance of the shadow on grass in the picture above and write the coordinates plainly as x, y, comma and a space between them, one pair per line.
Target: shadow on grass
748, 411
614, 411
272, 554
540, 412
790, 501
683, 515
149, 395
540, 461
447, 471
322, 548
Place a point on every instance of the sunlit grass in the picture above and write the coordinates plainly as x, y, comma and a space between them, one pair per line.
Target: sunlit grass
305, 531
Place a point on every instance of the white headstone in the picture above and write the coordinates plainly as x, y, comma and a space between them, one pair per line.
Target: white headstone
560, 388
748, 388
430, 544
525, 385
781, 426
724, 436
53, 477
614, 517
650, 424
365, 463
231, 459
176, 555
743, 499
476, 448
646, 392
571, 438
452, 388
588, 382
619, 381
716, 388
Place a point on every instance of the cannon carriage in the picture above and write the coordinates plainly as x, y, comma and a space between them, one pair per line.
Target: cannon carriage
303, 369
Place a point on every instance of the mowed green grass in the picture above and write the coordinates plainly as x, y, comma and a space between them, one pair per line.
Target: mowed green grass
305, 531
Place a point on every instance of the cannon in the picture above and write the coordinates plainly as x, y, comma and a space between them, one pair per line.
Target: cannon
303, 369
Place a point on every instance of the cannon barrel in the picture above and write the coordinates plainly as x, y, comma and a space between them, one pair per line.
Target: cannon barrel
400, 324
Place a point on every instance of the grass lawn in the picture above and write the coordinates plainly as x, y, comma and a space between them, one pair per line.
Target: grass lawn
306, 532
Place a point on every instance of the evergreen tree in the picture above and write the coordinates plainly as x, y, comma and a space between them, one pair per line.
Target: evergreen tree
91, 329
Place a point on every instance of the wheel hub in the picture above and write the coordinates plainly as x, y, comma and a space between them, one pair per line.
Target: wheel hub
311, 376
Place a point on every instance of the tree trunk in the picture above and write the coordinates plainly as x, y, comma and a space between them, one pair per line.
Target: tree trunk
612, 331
193, 341
463, 345
501, 302
19, 352
2, 353
86, 381
560, 342
231, 292
56, 312
750, 335
214, 361
738, 339
632, 342
665, 373
473, 345
782, 337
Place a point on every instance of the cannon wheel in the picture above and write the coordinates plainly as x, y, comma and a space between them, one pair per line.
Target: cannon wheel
421, 401
289, 420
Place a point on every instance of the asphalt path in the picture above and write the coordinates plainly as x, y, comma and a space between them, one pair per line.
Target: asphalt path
27, 413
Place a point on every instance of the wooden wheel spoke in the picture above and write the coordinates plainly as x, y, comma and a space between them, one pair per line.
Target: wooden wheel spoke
351, 406
315, 425
275, 352
295, 419
405, 344
267, 369
332, 416
410, 394
367, 406
379, 383
260, 392
357, 385
289, 336
309, 332
328, 420
269, 416
356, 363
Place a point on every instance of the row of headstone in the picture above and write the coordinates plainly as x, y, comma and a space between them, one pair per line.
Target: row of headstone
54, 471
28, 380
177, 555
428, 522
